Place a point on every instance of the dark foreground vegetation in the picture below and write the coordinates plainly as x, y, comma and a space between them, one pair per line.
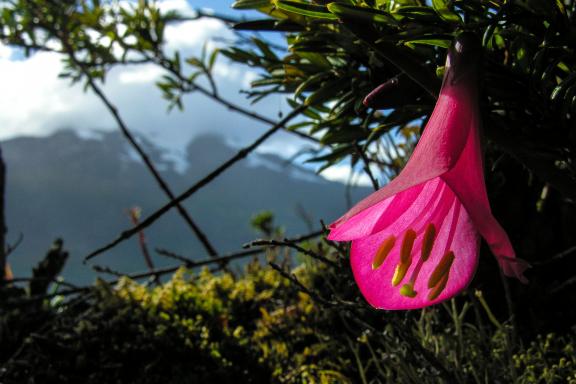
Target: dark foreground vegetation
259, 327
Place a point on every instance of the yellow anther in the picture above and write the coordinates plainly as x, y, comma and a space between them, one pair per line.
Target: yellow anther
437, 290
408, 290
441, 269
407, 243
400, 272
383, 251
428, 241
405, 257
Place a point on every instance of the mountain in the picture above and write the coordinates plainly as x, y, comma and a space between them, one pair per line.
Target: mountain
81, 189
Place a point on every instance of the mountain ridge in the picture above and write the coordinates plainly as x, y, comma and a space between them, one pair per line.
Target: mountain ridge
81, 189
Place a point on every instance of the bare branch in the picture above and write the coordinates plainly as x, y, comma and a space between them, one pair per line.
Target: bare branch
130, 137
291, 244
193, 86
290, 276
367, 169
241, 154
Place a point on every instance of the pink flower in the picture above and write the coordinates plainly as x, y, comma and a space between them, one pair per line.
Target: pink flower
415, 242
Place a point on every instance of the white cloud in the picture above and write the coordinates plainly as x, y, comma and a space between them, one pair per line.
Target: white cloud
143, 74
34, 101
341, 173
181, 6
194, 34
32, 95
5, 52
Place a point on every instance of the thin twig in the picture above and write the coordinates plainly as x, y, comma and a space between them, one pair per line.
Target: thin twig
12, 247
174, 268
289, 244
241, 154
564, 285
201, 14
40, 278
109, 271
297, 239
555, 258
135, 217
193, 86
173, 255
510, 306
405, 334
302, 287
189, 263
130, 137
163, 185
367, 169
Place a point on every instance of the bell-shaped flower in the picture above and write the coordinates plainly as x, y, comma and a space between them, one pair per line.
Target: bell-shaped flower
415, 242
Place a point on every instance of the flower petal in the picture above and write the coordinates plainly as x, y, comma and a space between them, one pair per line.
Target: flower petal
455, 232
466, 179
438, 149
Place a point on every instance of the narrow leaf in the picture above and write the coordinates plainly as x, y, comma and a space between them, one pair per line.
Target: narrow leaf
363, 13
443, 10
310, 10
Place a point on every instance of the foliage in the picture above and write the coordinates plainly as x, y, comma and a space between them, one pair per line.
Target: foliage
342, 50
258, 327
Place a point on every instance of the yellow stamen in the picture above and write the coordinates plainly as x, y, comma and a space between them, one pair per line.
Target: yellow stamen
428, 241
441, 269
408, 290
407, 244
400, 272
383, 252
405, 258
437, 290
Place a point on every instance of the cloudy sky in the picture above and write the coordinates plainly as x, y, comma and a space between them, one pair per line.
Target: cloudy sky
34, 101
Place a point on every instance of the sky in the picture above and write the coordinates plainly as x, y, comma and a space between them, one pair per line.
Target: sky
34, 101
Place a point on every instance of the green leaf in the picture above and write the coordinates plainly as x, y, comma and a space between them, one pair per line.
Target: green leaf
195, 62
424, 14
267, 82
308, 112
442, 8
295, 127
561, 89
336, 154
269, 25
406, 62
212, 59
250, 4
314, 79
347, 135
362, 13
432, 40
265, 49
240, 56
315, 58
310, 10
327, 91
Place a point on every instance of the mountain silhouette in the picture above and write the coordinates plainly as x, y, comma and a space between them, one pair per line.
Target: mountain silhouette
81, 190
